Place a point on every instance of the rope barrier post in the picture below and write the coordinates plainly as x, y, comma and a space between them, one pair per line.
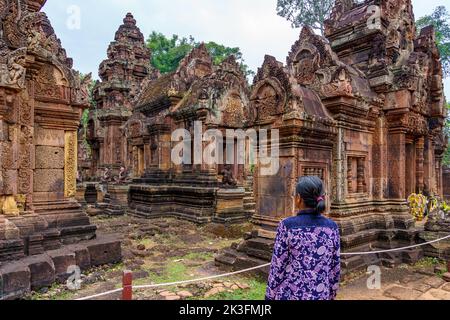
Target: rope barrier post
127, 285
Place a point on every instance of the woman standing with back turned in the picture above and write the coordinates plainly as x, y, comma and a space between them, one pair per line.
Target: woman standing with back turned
306, 258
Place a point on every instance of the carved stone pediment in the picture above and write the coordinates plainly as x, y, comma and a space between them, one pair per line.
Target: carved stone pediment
267, 100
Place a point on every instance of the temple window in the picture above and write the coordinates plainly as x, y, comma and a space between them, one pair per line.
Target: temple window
356, 175
317, 172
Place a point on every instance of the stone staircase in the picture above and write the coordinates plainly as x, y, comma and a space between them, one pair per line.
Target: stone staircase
249, 199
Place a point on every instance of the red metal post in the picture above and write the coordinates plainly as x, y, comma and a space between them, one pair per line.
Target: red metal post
127, 285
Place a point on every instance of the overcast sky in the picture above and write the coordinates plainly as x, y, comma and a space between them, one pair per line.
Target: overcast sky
252, 25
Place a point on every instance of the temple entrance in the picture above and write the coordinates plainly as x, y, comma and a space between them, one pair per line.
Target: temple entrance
410, 181
414, 165
141, 161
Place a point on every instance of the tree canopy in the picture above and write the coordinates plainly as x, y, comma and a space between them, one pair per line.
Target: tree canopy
312, 13
440, 19
168, 52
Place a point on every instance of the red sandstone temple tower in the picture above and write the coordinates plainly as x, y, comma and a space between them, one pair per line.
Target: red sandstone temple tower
41, 101
128, 64
198, 91
379, 86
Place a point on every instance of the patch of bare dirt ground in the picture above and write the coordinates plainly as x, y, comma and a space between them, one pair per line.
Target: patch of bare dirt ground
170, 250
161, 251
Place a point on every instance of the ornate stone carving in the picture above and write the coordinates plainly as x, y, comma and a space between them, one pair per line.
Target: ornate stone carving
341, 84
13, 72
70, 164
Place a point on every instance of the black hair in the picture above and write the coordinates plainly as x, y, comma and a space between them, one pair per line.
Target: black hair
311, 190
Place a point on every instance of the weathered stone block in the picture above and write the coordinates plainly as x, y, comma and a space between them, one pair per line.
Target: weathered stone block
105, 251
49, 157
14, 281
49, 180
62, 260
82, 256
42, 271
49, 137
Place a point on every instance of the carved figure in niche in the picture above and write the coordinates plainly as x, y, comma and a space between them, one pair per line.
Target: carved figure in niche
341, 84
16, 70
266, 103
233, 113
228, 177
34, 40
378, 52
306, 64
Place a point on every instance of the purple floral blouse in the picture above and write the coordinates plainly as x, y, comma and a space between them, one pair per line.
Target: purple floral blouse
306, 259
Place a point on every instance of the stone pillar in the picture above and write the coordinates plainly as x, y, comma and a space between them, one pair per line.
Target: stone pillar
70, 164
396, 160
361, 175
430, 178
339, 168
165, 151
420, 146
349, 176
379, 159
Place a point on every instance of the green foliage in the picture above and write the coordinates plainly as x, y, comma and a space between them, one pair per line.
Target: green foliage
428, 262
85, 115
447, 133
311, 13
173, 272
168, 52
440, 19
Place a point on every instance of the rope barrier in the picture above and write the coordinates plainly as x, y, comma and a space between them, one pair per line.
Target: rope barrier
229, 274
395, 250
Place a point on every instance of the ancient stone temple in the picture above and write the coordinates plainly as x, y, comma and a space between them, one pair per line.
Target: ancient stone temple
216, 97
363, 110
121, 76
41, 101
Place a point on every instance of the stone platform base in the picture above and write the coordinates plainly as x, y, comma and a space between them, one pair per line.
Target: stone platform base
18, 278
437, 227
363, 234
115, 201
198, 205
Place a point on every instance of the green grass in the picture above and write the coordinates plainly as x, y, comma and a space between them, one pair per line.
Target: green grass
199, 256
428, 262
64, 295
